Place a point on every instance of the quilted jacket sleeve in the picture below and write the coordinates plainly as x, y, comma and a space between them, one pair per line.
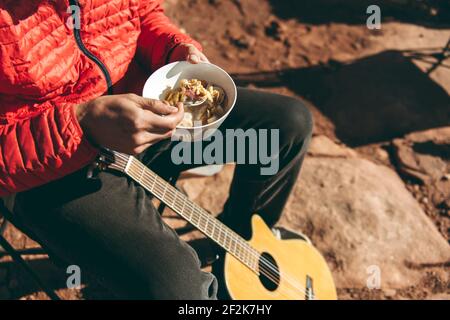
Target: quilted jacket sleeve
41, 146
158, 35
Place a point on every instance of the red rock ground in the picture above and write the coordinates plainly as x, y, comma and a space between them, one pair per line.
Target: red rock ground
323, 54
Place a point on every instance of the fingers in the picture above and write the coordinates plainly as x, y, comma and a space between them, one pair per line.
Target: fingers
168, 122
197, 58
155, 116
193, 58
155, 106
203, 58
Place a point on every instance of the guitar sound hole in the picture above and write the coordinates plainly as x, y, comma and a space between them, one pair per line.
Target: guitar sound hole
269, 273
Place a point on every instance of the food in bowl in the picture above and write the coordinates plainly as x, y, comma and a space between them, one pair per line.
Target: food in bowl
169, 76
203, 102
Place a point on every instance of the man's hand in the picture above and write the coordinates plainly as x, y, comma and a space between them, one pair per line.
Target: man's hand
187, 52
128, 123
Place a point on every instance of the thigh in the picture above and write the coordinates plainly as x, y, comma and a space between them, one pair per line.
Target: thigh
256, 109
109, 227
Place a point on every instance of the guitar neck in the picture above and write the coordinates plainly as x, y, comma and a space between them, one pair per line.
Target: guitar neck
193, 213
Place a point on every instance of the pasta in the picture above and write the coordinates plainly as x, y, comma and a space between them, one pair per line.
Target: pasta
195, 90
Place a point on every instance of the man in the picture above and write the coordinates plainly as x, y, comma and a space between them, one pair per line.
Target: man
65, 91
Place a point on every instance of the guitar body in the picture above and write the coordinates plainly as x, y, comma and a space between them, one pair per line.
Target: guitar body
296, 260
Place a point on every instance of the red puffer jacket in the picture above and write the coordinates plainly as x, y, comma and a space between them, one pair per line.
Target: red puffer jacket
47, 67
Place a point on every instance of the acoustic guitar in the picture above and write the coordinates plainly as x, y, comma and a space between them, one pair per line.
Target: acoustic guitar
264, 268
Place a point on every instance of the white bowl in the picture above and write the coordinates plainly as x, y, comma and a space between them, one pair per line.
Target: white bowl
169, 76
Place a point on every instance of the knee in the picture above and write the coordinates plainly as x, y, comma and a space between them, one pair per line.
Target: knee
295, 122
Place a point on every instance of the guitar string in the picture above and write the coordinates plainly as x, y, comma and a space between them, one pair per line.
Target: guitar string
272, 273
269, 275
264, 271
267, 272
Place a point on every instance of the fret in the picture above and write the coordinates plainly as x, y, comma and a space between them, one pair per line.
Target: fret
191, 217
189, 214
237, 253
208, 228
225, 241
213, 227
219, 237
175, 195
198, 217
127, 166
142, 174
150, 180
245, 256
223, 236
206, 222
228, 242
234, 242
164, 192
153, 183
226, 238
248, 258
182, 208
241, 252
157, 187
250, 261
167, 195
255, 259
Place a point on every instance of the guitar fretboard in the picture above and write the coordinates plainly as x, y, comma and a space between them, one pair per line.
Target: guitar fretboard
193, 213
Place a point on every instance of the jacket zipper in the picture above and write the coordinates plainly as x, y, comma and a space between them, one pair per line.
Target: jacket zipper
89, 54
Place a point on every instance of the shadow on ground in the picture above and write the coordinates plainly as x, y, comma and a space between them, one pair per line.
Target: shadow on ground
430, 13
369, 100
21, 285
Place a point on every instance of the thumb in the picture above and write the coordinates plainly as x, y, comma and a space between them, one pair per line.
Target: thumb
193, 54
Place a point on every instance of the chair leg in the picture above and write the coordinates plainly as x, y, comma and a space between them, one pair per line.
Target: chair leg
17, 257
173, 181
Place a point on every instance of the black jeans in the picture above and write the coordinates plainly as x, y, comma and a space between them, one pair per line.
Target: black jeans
109, 227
